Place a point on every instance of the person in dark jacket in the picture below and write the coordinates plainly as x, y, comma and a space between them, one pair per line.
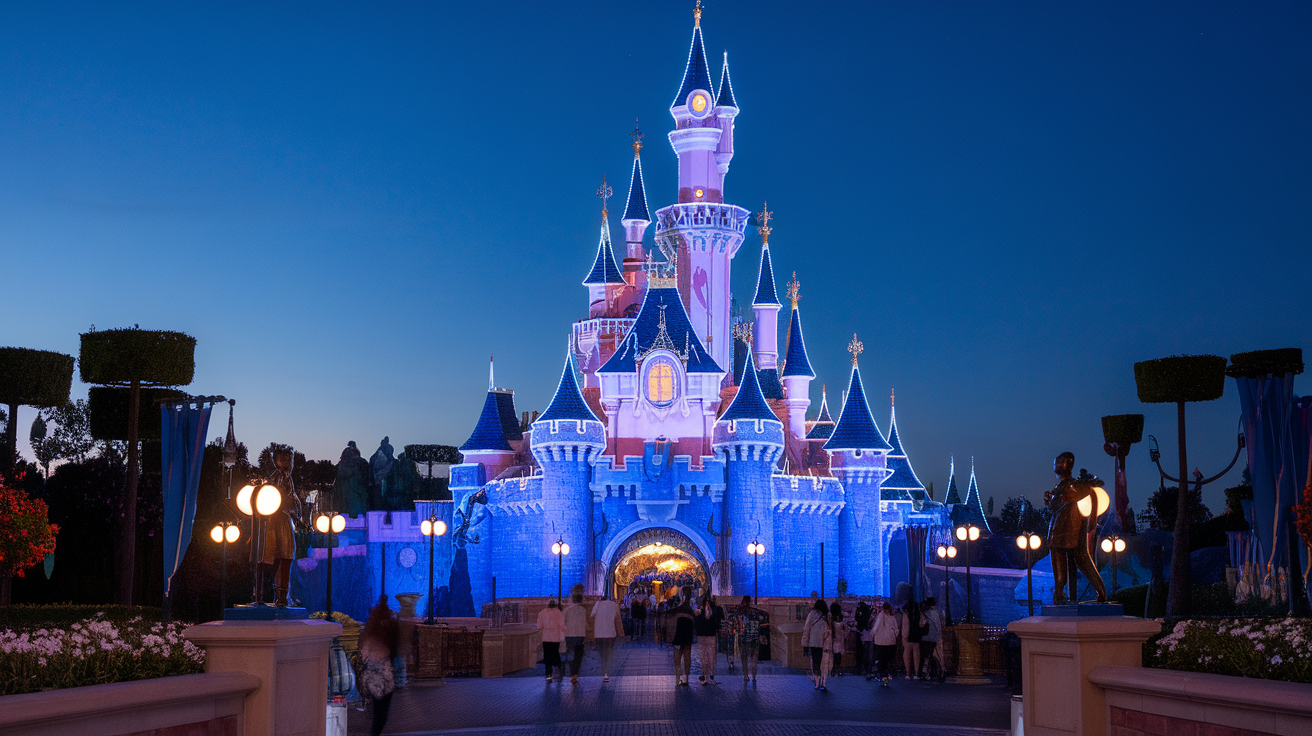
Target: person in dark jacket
684, 628
707, 628
379, 641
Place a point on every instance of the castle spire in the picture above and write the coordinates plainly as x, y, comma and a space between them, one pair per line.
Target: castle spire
954, 495
765, 291
725, 97
635, 207
696, 74
974, 508
604, 268
856, 428
903, 477
568, 402
796, 362
749, 402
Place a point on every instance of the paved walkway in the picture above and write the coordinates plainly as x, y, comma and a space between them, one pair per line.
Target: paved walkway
643, 701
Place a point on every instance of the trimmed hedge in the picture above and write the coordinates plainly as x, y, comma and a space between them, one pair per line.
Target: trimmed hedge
432, 453
1123, 429
1260, 363
1180, 378
109, 411
118, 357
35, 377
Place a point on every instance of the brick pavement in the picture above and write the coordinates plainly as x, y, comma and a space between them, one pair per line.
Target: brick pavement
642, 701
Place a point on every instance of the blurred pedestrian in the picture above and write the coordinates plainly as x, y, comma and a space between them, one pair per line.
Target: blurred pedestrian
707, 629
747, 627
638, 612
379, 641
606, 628
931, 650
861, 623
551, 621
883, 635
910, 630
684, 626
813, 634
840, 636
576, 632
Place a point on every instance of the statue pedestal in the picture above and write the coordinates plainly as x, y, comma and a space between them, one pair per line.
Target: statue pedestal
1057, 653
290, 659
262, 612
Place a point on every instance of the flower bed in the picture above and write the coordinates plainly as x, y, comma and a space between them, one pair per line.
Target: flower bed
94, 651
1270, 649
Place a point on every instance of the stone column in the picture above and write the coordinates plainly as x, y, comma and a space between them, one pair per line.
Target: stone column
290, 658
1057, 653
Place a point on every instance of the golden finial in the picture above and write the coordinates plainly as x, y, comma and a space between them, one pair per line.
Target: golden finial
764, 218
636, 135
697, 15
605, 192
794, 292
892, 397
743, 332
855, 348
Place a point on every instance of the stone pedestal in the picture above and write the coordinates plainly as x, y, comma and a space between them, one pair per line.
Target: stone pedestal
290, 659
1057, 653
970, 665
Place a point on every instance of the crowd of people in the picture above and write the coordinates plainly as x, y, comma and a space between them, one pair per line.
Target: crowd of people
873, 637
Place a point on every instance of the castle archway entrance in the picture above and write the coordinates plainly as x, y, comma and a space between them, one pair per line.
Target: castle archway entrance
660, 560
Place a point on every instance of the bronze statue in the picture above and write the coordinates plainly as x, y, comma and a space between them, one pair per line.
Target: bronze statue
279, 543
1068, 532
351, 492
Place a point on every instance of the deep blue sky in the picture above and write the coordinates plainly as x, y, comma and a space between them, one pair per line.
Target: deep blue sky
350, 207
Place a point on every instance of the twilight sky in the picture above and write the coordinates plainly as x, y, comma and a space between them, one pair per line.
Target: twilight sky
350, 206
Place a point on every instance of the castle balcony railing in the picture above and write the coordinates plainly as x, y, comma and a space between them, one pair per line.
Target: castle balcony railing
702, 216
601, 328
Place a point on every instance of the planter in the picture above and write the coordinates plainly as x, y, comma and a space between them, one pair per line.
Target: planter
408, 601
350, 637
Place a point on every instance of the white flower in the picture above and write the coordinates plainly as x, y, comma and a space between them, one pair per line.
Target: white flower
1276, 659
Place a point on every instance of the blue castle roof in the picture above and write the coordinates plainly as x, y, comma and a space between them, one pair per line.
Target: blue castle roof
725, 98
635, 207
642, 335
903, 477
824, 425
856, 429
765, 293
953, 496
974, 511
795, 361
604, 269
769, 380
497, 424
697, 74
749, 403
568, 402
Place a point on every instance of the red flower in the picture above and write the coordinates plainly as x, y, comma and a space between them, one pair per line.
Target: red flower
26, 535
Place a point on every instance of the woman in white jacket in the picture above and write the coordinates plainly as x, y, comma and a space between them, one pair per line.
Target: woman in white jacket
884, 636
813, 635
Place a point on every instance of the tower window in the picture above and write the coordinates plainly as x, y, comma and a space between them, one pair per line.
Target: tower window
660, 383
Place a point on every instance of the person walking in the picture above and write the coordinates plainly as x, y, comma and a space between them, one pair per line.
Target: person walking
910, 625
828, 636
930, 650
883, 635
707, 629
817, 621
379, 641
638, 612
551, 622
576, 632
840, 636
606, 628
684, 625
861, 623
747, 627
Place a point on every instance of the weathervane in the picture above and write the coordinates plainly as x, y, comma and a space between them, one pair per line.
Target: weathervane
743, 332
855, 348
892, 397
794, 292
764, 218
697, 15
605, 193
636, 135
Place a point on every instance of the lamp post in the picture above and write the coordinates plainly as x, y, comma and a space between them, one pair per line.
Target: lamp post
968, 533
1115, 546
259, 504
432, 527
946, 555
331, 524
1029, 543
559, 549
756, 549
224, 533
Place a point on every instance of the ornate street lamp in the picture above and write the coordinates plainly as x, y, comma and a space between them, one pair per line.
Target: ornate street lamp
259, 504
330, 524
224, 533
1030, 543
756, 549
968, 533
1113, 545
432, 527
559, 549
945, 555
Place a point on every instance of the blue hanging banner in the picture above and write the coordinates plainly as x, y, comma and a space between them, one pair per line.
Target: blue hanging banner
183, 448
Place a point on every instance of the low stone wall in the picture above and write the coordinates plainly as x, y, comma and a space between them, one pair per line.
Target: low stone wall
1152, 702
209, 704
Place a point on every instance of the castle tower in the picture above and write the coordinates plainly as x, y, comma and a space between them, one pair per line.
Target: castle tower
701, 233
823, 427
902, 482
750, 439
565, 441
953, 497
765, 305
635, 220
604, 281
973, 512
858, 457
496, 437
797, 372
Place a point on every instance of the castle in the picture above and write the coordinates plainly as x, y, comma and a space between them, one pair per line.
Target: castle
678, 434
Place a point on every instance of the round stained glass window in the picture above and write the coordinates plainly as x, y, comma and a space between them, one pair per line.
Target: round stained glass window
660, 384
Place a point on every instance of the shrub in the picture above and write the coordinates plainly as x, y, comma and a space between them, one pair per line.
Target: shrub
94, 651
1270, 649
1180, 378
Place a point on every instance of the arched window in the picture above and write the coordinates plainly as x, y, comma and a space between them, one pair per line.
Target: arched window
660, 383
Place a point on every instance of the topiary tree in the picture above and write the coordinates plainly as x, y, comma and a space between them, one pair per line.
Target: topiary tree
30, 378
26, 536
130, 359
1178, 380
